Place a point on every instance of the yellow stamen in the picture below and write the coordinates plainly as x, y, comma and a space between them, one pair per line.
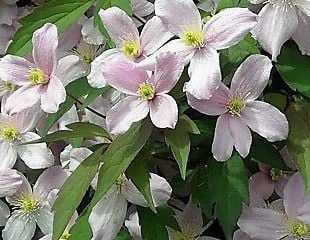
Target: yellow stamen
65, 236
146, 91
193, 38
275, 173
131, 49
235, 106
37, 76
299, 230
9, 133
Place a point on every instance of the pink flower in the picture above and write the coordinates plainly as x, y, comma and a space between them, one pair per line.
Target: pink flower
145, 93
239, 111
125, 35
288, 220
278, 21
198, 43
42, 81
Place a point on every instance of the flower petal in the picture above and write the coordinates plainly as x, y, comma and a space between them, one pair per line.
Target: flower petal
95, 77
239, 235
91, 34
302, 35
280, 30
142, 8
251, 77
54, 95
52, 178
124, 75
44, 220
23, 98
241, 135
131, 109
256, 114
4, 213
8, 154
179, 15
261, 223
168, 70
70, 68
280, 184
164, 111
19, 228
108, 216
303, 6
15, 69
216, 105
35, 156
261, 184
223, 142
133, 226
10, 182
154, 34
119, 25
45, 42
229, 27
205, 74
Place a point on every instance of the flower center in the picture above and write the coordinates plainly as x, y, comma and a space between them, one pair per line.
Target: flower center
131, 49
10, 133
146, 91
87, 58
28, 205
275, 174
235, 106
37, 76
65, 236
9, 86
120, 181
193, 38
299, 230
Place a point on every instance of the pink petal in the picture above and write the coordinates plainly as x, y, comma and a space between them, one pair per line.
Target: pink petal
293, 195
280, 30
23, 98
241, 135
164, 111
23, 190
131, 109
303, 6
179, 15
124, 75
154, 34
302, 35
8, 154
205, 74
52, 178
216, 105
261, 223
261, 184
263, 167
45, 42
251, 77
168, 70
54, 95
119, 25
15, 69
10, 182
223, 142
26, 120
229, 27
280, 184
239, 235
256, 114
142, 8
69, 38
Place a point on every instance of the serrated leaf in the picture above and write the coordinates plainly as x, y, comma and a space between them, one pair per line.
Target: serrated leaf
298, 115
139, 173
73, 191
62, 13
117, 159
294, 68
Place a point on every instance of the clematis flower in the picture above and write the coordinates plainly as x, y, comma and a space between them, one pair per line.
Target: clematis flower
5, 37
190, 222
145, 93
4, 213
16, 130
239, 110
289, 221
32, 207
108, 216
8, 11
142, 8
240, 235
42, 81
198, 43
279, 21
125, 35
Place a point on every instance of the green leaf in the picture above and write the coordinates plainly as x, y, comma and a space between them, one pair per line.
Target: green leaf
139, 173
179, 141
88, 129
153, 226
294, 68
276, 99
123, 235
62, 13
263, 151
298, 115
74, 90
117, 159
231, 192
92, 95
73, 191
